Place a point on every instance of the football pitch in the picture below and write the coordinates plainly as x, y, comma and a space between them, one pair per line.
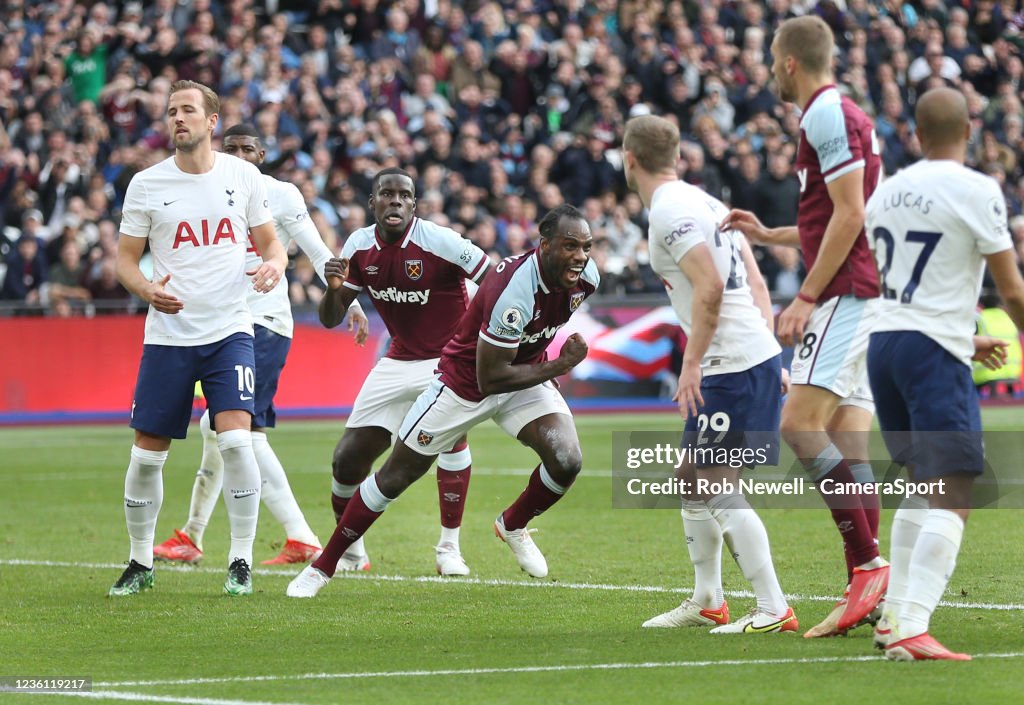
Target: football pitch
400, 634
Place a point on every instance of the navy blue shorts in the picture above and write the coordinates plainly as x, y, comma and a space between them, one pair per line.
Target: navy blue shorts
167, 378
927, 405
738, 425
271, 354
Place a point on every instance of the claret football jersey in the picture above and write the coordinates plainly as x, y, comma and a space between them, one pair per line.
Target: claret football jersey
516, 307
836, 137
417, 285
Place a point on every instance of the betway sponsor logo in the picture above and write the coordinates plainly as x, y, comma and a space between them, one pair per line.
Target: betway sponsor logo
546, 332
398, 296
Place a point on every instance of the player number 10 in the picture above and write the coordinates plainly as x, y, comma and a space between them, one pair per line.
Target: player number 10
246, 378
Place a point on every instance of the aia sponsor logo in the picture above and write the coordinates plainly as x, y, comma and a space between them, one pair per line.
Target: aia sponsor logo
187, 235
414, 268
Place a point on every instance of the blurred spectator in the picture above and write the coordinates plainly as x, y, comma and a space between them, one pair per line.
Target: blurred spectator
500, 110
64, 288
26, 271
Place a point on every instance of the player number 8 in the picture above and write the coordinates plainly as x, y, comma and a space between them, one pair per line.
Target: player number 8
719, 423
807, 345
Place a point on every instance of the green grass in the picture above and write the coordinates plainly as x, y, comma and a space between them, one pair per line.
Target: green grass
61, 502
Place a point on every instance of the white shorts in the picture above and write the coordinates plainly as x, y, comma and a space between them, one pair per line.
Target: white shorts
833, 354
440, 417
389, 391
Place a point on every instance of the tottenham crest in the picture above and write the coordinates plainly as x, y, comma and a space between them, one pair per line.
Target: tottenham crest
424, 438
414, 268
575, 300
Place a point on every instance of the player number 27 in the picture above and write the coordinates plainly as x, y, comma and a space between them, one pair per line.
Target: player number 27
928, 240
717, 422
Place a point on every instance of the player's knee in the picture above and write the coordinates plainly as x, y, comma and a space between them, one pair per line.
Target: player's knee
795, 427
568, 464
343, 467
233, 440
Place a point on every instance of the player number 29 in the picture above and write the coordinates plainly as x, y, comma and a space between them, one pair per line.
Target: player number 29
246, 378
718, 422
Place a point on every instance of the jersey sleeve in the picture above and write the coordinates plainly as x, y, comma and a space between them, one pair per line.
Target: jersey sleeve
985, 215
677, 233
294, 219
828, 133
505, 320
449, 245
257, 211
135, 218
591, 274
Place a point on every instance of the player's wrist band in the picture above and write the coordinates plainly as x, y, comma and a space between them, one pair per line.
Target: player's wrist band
805, 298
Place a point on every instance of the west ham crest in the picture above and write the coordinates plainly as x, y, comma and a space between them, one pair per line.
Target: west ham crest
414, 268
575, 300
424, 438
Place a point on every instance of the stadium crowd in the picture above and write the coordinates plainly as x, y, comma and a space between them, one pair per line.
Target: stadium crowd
501, 110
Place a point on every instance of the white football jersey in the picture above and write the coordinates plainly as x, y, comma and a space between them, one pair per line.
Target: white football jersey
273, 310
931, 226
682, 217
198, 230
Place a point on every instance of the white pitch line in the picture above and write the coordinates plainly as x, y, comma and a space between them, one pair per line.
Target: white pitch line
91, 476
493, 582
526, 669
148, 698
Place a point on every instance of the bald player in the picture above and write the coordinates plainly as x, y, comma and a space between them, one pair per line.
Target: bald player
934, 226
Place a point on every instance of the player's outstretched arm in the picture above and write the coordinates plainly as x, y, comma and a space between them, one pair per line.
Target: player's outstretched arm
495, 373
698, 266
1009, 284
755, 231
758, 288
334, 305
129, 253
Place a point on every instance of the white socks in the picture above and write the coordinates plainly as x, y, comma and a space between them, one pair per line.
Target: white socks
373, 498
748, 541
241, 491
931, 566
704, 542
143, 495
207, 487
906, 525
449, 536
277, 493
